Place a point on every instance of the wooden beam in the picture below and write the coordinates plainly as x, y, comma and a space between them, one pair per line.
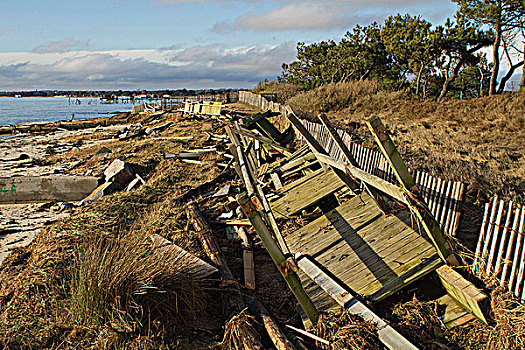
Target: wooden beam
316, 148
372, 180
349, 157
387, 335
285, 265
416, 202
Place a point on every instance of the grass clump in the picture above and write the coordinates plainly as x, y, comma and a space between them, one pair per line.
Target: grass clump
283, 91
126, 283
335, 96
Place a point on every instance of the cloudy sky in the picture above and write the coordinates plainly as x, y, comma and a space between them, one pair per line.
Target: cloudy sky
170, 44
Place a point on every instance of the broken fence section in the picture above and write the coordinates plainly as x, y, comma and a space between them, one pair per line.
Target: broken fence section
500, 252
444, 198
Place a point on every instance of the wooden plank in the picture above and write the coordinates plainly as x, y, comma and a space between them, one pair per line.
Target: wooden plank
481, 239
191, 264
455, 315
463, 291
306, 194
374, 181
276, 181
495, 238
510, 245
387, 335
428, 222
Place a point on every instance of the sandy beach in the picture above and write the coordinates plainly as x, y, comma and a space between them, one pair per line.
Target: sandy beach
26, 155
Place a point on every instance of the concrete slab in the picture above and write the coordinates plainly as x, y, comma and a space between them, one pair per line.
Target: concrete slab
53, 188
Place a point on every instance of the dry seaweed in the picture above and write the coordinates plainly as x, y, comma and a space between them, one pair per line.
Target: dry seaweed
348, 331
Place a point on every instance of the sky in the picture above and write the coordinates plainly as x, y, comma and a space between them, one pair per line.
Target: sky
173, 44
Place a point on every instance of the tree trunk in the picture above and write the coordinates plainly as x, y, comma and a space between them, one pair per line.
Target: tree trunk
507, 76
481, 82
522, 82
495, 58
418, 79
449, 81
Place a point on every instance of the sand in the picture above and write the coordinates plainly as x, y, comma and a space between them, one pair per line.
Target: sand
22, 155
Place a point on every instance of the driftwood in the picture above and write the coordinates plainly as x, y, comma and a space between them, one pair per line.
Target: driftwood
234, 304
276, 334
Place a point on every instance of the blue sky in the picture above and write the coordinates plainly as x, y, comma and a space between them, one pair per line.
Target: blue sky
170, 44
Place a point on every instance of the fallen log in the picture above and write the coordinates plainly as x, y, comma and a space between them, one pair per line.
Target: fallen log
274, 331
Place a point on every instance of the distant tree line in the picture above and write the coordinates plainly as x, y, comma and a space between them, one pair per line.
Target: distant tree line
408, 52
109, 94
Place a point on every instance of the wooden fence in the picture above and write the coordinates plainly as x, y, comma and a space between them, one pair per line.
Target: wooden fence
444, 198
500, 252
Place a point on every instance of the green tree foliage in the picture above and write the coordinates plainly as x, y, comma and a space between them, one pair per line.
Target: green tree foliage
405, 51
459, 43
412, 45
506, 18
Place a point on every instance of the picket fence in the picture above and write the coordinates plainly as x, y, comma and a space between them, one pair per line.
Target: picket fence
500, 252
444, 198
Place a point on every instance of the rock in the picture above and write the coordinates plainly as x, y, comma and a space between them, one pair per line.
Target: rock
103, 150
118, 172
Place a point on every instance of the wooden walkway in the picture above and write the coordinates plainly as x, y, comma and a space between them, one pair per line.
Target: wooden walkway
373, 254
304, 192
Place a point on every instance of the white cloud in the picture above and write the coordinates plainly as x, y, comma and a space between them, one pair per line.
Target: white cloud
60, 46
194, 67
308, 16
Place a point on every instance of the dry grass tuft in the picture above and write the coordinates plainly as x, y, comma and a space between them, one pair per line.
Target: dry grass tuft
239, 333
284, 91
128, 285
348, 331
420, 323
335, 96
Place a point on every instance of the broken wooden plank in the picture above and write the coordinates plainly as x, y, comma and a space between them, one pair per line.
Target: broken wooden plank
387, 335
190, 264
416, 203
454, 315
464, 292
247, 257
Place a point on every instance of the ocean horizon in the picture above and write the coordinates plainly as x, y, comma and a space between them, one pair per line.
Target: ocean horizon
17, 111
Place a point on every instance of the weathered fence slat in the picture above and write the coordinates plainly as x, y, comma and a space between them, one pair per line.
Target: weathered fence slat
500, 252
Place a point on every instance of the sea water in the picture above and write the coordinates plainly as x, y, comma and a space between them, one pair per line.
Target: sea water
15, 111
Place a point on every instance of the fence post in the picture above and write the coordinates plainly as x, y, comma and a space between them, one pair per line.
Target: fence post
428, 222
